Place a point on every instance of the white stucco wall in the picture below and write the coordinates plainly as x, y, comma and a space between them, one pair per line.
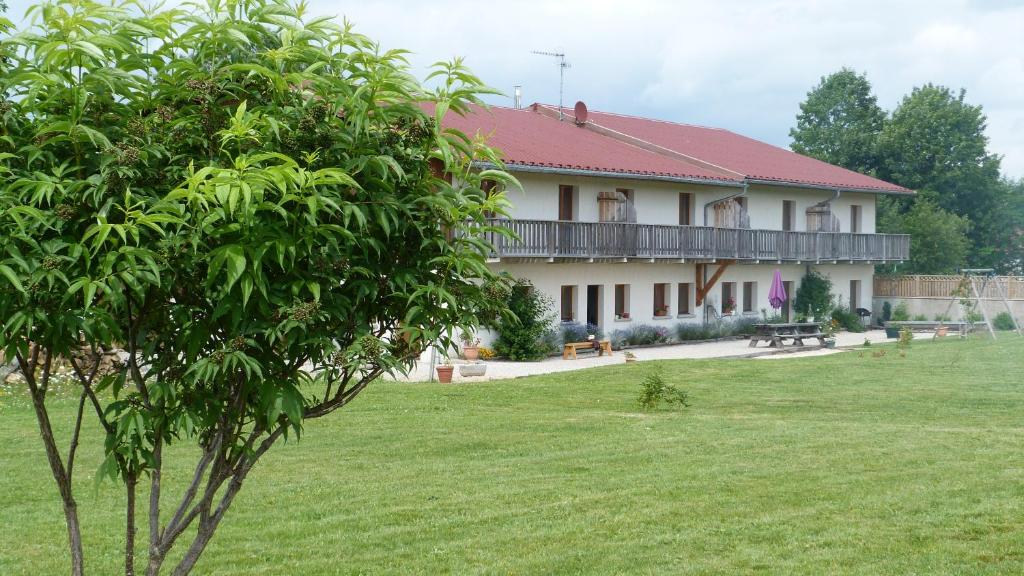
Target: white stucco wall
641, 277
657, 202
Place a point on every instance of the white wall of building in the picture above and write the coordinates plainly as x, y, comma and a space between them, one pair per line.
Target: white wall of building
641, 277
657, 202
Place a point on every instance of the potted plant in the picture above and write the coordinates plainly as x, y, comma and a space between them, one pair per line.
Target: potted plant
892, 330
444, 372
663, 311
470, 346
830, 333
729, 307
630, 357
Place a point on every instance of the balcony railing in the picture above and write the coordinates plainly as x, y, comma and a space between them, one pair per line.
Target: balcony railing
585, 240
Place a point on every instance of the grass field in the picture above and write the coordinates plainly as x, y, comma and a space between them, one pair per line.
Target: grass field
845, 464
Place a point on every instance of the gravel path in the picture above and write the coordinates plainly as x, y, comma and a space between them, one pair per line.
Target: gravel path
499, 369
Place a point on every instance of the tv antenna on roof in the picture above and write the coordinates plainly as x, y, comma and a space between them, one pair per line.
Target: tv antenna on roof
562, 65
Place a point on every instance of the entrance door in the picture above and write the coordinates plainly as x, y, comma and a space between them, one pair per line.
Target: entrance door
594, 304
787, 306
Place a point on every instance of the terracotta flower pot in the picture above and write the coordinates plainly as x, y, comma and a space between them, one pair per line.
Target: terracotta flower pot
942, 330
471, 352
444, 374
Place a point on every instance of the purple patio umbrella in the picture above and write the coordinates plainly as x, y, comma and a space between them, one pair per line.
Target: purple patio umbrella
777, 293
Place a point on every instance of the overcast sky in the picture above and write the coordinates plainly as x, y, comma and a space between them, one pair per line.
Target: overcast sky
744, 65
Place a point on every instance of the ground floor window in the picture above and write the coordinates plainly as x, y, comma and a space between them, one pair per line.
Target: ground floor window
622, 301
728, 297
683, 301
568, 303
854, 294
661, 303
749, 296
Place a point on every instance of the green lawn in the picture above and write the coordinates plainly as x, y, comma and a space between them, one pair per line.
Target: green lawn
847, 464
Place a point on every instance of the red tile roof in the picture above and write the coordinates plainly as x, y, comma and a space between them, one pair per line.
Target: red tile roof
534, 137
752, 158
527, 138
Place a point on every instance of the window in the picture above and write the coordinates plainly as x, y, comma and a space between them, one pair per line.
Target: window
683, 302
855, 218
566, 202
568, 303
622, 301
661, 303
854, 294
728, 297
749, 296
685, 209
788, 215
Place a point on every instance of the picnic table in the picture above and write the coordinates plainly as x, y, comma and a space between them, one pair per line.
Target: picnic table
776, 334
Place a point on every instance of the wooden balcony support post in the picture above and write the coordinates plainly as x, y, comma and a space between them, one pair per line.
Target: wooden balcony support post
703, 289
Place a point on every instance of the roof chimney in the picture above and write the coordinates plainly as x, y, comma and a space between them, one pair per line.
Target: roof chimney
517, 99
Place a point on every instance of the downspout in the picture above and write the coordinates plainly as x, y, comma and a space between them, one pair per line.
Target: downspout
706, 205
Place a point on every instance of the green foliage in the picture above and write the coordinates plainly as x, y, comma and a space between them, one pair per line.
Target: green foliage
640, 335
905, 339
251, 203
900, 313
689, 331
814, 296
938, 239
1003, 321
576, 332
847, 319
655, 391
920, 318
840, 122
526, 335
886, 311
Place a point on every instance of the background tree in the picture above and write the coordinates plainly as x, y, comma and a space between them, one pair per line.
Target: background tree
935, 143
938, 238
253, 204
840, 122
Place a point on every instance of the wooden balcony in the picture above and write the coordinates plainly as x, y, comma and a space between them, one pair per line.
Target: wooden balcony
562, 240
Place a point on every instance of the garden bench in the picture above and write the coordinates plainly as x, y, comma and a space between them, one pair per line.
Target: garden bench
776, 334
571, 348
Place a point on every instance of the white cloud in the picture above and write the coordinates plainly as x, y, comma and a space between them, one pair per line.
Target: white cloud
743, 64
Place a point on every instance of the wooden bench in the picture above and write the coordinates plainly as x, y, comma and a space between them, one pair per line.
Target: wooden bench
571, 348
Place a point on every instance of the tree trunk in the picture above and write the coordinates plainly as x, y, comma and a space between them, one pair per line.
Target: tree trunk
129, 526
74, 538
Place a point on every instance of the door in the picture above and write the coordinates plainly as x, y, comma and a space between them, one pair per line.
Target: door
594, 304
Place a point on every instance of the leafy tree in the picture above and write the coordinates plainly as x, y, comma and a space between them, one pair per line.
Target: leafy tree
522, 336
935, 143
840, 122
814, 295
253, 204
938, 238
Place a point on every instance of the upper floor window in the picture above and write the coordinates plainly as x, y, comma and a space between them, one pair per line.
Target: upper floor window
566, 202
685, 209
855, 219
788, 215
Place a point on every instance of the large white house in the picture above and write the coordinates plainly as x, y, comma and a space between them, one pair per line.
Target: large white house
631, 220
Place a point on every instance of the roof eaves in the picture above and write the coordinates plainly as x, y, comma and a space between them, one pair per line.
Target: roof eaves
548, 168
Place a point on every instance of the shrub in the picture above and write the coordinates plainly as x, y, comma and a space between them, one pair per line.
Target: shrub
906, 337
814, 296
640, 335
576, 332
1003, 322
974, 316
527, 336
900, 314
654, 391
688, 332
886, 311
920, 318
942, 318
486, 353
848, 319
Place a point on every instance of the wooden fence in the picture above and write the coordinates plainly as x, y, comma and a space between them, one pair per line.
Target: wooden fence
922, 286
